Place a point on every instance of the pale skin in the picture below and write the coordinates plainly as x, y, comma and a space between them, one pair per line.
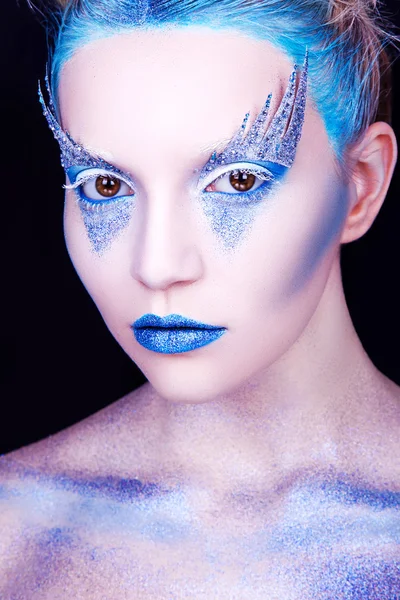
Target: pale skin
287, 395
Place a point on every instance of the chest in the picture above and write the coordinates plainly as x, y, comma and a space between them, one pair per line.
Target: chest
112, 568
312, 544
94, 551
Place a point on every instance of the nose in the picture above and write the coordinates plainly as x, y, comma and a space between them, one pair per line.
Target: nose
165, 251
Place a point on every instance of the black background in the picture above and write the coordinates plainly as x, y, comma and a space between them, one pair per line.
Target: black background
58, 361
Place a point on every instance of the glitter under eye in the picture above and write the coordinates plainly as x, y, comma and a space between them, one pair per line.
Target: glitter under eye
105, 218
271, 148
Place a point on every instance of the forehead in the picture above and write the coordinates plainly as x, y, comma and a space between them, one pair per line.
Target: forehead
181, 89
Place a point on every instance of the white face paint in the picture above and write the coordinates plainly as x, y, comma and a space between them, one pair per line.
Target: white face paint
155, 105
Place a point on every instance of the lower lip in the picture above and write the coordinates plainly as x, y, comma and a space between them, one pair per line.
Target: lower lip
175, 340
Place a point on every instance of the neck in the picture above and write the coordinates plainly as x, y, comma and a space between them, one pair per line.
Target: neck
299, 414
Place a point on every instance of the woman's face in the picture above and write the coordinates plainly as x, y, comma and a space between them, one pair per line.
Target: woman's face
248, 256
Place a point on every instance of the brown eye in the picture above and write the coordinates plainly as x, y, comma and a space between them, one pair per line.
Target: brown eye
241, 181
107, 186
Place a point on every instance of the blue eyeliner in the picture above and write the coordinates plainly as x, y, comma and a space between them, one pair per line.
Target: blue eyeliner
269, 173
74, 171
90, 175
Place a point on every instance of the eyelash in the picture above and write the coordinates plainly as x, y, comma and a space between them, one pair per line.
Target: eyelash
260, 175
252, 196
97, 205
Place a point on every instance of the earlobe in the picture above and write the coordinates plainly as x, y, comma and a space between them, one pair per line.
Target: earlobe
374, 159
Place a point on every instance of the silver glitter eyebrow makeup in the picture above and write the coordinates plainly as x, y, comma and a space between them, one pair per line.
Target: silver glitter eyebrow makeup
104, 221
278, 144
72, 153
270, 150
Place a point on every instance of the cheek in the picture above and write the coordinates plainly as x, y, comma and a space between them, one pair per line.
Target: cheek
280, 277
295, 239
275, 289
317, 241
89, 237
75, 234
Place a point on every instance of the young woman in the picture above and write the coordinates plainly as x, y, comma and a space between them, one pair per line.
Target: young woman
217, 156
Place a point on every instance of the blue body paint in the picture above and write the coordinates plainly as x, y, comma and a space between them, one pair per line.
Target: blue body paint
329, 226
102, 504
350, 579
337, 536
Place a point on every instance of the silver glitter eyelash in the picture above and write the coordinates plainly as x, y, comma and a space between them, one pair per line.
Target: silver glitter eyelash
260, 174
279, 143
78, 183
83, 180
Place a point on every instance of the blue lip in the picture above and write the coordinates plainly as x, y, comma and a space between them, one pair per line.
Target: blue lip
174, 334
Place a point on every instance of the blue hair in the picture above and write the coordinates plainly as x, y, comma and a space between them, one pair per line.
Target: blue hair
343, 60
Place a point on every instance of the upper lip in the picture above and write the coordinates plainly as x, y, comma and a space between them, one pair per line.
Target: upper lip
170, 321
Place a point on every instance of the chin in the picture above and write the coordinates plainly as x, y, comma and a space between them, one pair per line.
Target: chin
197, 384
182, 381
183, 389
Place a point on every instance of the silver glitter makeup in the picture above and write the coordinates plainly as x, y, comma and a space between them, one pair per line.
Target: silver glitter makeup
274, 149
71, 153
279, 143
103, 221
230, 220
104, 225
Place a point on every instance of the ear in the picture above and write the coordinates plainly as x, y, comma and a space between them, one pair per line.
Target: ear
373, 161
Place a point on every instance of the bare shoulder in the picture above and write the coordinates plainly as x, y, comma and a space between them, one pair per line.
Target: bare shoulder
11, 518
373, 443
100, 444
42, 484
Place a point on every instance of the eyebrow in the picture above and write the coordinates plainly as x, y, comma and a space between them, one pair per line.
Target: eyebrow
72, 153
278, 142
